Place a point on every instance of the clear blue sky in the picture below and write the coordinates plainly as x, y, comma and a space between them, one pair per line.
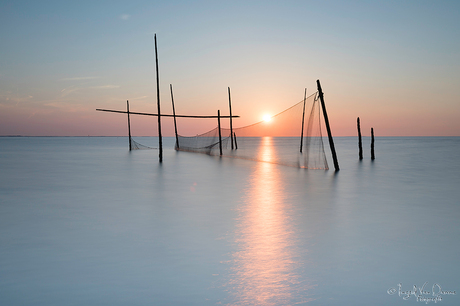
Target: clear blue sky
395, 64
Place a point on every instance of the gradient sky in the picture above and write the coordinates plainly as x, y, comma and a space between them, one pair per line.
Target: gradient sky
395, 64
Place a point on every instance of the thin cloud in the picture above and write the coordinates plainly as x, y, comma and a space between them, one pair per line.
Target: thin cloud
81, 78
69, 90
73, 89
63, 106
15, 100
105, 87
125, 17
139, 98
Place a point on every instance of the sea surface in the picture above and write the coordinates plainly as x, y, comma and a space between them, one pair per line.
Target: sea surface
84, 221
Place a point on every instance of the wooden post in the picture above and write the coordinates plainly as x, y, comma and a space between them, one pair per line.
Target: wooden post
303, 120
360, 142
236, 144
160, 140
372, 144
129, 125
231, 126
220, 135
174, 115
326, 121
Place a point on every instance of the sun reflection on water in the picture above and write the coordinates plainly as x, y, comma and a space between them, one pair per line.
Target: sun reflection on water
265, 268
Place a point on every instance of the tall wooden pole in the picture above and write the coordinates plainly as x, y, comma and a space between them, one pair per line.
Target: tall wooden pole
160, 140
231, 125
174, 115
326, 121
303, 120
234, 138
372, 144
129, 124
360, 142
220, 135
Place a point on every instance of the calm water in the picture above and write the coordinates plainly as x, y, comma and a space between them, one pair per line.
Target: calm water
85, 222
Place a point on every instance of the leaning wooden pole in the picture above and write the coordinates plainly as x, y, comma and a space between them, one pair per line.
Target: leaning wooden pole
231, 125
326, 121
236, 143
174, 115
372, 144
129, 125
360, 141
220, 134
303, 120
160, 140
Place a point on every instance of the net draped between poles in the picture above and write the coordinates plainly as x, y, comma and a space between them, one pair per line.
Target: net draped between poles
138, 146
275, 141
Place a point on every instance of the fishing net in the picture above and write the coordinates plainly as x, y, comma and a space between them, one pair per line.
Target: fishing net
140, 122
276, 139
134, 145
207, 143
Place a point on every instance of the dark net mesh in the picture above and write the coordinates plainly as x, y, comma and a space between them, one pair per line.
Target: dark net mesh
275, 140
207, 143
137, 146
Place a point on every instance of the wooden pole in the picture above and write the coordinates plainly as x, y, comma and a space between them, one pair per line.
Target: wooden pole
326, 121
372, 144
230, 106
160, 140
129, 125
220, 135
303, 120
236, 144
174, 115
360, 142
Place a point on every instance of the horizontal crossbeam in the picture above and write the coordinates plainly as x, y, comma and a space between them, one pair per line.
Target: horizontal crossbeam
162, 115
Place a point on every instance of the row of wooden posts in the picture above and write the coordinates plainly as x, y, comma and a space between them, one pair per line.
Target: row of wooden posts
360, 142
234, 144
321, 96
232, 134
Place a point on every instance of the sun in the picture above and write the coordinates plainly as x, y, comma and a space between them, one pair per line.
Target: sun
267, 118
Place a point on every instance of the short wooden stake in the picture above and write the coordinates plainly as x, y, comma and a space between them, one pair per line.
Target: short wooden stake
372, 144
129, 125
360, 142
231, 126
220, 135
174, 115
303, 120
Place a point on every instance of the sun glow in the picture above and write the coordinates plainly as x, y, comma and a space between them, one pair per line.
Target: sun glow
267, 118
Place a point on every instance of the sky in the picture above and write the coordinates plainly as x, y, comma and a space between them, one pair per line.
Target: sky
394, 64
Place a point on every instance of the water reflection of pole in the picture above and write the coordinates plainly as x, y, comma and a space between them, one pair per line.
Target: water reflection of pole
328, 128
303, 120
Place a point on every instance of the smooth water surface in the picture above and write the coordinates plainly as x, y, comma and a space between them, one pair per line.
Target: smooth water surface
83, 221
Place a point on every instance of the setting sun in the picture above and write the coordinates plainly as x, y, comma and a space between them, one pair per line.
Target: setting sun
267, 118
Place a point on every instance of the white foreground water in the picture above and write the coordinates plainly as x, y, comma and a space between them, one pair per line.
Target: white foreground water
83, 221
